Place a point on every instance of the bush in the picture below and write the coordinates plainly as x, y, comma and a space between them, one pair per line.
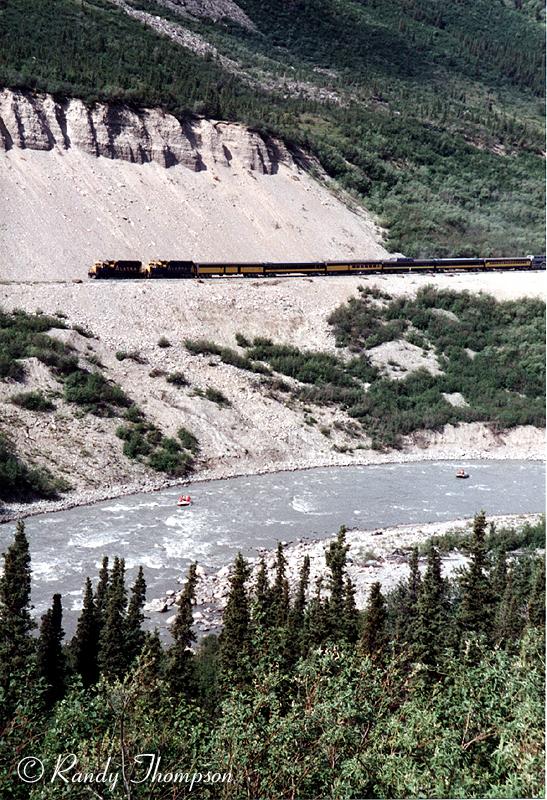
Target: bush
20, 483
33, 401
133, 414
94, 392
216, 396
188, 440
175, 462
132, 355
177, 379
135, 444
163, 342
242, 340
201, 347
83, 332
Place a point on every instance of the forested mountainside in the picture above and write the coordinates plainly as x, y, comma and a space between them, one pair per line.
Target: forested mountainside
431, 113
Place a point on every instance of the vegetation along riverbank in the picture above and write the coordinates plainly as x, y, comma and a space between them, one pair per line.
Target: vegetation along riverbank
369, 372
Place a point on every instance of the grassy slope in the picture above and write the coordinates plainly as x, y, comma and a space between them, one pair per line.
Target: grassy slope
440, 126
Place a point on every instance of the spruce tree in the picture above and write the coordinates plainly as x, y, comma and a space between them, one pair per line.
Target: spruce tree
50, 656
280, 590
85, 643
299, 605
180, 656
509, 620
102, 591
262, 596
431, 631
16, 644
135, 617
113, 656
316, 627
234, 640
405, 610
151, 664
498, 575
336, 562
475, 611
373, 638
350, 615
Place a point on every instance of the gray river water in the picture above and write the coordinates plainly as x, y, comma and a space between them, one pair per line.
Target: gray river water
249, 513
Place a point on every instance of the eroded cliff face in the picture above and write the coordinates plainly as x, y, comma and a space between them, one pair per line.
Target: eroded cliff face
38, 122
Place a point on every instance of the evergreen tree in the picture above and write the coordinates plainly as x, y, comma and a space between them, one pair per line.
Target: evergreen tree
50, 656
135, 617
151, 662
336, 562
261, 604
280, 590
101, 593
373, 637
316, 627
498, 575
350, 615
475, 611
180, 656
234, 641
113, 656
16, 644
431, 631
85, 643
405, 611
297, 611
509, 620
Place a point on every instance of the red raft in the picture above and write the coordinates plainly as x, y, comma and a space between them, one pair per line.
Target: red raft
184, 500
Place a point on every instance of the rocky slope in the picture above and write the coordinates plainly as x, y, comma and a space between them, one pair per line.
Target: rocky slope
262, 429
38, 122
81, 184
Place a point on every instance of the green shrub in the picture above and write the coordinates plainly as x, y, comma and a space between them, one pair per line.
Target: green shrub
135, 445
33, 401
20, 483
163, 342
201, 347
132, 355
175, 463
177, 379
242, 340
216, 396
87, 334
188, 440
133, 414
94, 392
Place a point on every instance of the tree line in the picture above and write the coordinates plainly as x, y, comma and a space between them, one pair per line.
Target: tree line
300, 691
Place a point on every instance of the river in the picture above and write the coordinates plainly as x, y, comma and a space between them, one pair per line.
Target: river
248, 513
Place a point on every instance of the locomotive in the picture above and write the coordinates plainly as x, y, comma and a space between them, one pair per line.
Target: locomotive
191, 269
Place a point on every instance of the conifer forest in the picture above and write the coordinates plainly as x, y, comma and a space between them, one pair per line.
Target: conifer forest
434, 690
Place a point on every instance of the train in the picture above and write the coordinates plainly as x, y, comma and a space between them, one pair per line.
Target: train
191, 269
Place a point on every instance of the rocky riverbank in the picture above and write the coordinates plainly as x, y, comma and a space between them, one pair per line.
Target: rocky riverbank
520, 444
374, 555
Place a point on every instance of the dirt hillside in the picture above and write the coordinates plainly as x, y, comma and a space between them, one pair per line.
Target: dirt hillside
80, 185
